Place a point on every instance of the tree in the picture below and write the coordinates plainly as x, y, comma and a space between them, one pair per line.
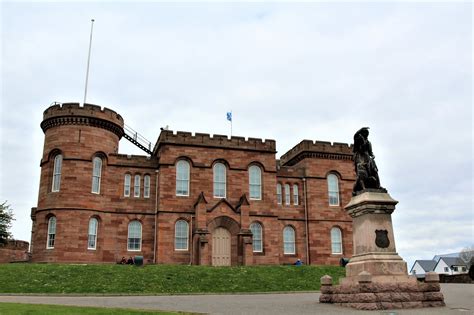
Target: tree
6, 217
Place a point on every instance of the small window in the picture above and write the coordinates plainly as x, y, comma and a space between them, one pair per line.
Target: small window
92, 237
289, 240
58, 161
96, 174
181, 233
126, 185
136, 186
257, 242
456, 269
333, 190
336, 241
134, 236
287, 195
295, 195
219, 180
146, 184
446, 269
51, 233
279, 197
255, 182
182, 178
463, 268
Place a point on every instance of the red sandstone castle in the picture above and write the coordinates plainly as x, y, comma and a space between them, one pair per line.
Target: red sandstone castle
194, 199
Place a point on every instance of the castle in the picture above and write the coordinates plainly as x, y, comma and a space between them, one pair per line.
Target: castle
194, 199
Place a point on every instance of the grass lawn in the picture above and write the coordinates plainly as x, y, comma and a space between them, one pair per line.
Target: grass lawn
20, 309
159, 279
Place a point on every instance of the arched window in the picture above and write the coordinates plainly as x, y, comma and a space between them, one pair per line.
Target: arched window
182, 178
287, 195
146, 185
255, 182
336, 240
96, 174
58, 161
333, 190
51, 232
134, 236
289, 240
92, 237
279, 197
295, 195
126, 185
136, 186
219, 180
181, 232
257, 242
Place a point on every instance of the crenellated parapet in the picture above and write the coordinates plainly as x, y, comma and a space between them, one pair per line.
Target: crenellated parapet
89, 114
215, 141
317, 149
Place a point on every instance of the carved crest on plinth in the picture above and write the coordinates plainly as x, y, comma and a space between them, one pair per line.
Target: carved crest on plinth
381, 238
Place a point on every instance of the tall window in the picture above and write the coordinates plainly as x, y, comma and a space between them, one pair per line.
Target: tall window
51, 232
136, 186
289, 240
257, 242
146, 184
295, 195
126, 185
96, 173
287, 194
182, 178
336, 241
333, 190
58, 161
92, 237
255, 182
181, 233
279, 197
219, 180
134, 236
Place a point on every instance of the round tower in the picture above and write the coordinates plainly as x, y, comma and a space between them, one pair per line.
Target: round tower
73, 182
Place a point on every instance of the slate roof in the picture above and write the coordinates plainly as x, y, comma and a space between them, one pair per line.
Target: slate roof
453, 261
427, 265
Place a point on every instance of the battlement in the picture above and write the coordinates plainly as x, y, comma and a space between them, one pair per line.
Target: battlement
221, 141
88, 110
323, 149
89, 114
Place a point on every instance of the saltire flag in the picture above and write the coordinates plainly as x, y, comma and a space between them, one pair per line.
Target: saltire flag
229, 116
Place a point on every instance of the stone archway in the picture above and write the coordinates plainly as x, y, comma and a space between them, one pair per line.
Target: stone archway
224, 246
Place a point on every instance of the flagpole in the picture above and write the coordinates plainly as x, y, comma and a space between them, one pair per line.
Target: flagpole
232, 118
88, 61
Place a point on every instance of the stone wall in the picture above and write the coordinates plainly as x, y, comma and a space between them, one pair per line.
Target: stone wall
14, 251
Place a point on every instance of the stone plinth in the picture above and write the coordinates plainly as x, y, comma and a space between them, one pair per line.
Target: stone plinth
376, 276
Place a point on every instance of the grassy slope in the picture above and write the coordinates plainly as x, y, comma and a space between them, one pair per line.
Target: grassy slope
19, 309
159, 279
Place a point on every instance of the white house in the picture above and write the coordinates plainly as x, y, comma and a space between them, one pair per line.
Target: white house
450, 266
420, 267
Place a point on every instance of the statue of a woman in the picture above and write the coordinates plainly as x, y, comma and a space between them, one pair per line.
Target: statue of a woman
365, 167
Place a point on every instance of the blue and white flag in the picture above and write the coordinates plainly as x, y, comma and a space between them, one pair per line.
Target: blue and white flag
229, 116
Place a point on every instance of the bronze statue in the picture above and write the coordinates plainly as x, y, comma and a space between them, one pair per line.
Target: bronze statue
365, 167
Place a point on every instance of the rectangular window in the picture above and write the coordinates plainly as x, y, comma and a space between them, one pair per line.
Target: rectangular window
136, 186
456, 269
57, 173
446, 269
279, 197
146, 190
287, 194
126, 185
295, 195
96, 174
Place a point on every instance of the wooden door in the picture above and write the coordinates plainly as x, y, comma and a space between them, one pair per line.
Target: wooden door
221, 247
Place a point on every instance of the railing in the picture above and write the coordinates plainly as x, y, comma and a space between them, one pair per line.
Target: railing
137, 139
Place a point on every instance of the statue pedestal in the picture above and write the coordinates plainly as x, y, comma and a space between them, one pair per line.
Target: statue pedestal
376, 276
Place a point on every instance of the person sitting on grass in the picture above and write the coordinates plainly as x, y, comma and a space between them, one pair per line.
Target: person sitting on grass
298, 262
130, 261
123, 261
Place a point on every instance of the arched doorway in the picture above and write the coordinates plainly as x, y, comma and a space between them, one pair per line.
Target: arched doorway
221, 246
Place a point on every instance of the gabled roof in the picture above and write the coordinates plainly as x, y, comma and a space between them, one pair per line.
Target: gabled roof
427, 265
224, 201
453, 261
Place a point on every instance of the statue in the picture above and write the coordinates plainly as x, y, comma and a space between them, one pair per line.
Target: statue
365, 167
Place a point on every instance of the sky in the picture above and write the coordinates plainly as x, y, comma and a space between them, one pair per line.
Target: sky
287, 71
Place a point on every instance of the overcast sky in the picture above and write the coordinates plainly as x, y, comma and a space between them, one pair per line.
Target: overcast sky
287, 71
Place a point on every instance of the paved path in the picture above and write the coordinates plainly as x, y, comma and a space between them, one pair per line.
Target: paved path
459, 300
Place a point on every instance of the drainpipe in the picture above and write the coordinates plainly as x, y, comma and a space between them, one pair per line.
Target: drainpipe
192, 241
156, 216
306, 221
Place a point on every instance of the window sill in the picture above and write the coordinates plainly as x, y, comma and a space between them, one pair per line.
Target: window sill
134, 250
